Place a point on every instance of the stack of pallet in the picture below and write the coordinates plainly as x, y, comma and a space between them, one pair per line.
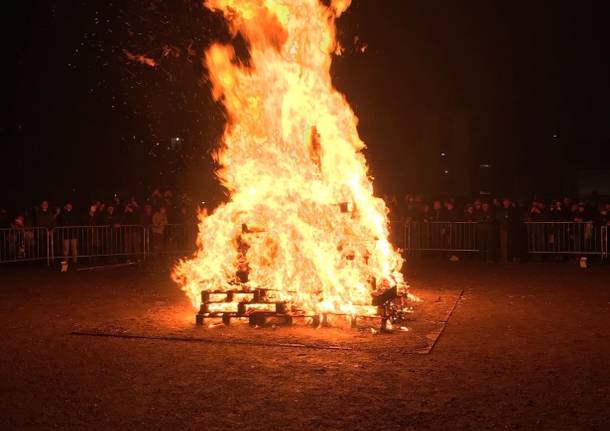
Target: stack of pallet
260, 307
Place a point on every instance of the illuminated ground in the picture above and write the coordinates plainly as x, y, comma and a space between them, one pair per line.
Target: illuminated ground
527, 347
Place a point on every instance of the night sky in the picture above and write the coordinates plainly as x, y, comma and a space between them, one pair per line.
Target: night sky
527, 83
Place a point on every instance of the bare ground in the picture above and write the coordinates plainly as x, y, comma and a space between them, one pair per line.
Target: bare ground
527, 347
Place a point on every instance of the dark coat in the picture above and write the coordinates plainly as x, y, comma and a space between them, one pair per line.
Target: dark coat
44, 219
67, 218
108, 219
131, 218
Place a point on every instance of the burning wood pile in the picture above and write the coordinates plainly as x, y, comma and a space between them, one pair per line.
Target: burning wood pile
263, 307
301, 236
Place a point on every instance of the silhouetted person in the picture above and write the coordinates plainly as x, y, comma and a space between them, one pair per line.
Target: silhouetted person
44, 218
159, 223
503, 216
68, 221
450, 214
112, 222
131, 231
488, 233
436, 212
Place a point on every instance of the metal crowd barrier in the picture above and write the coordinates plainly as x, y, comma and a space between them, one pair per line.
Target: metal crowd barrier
74, 242
567, 238
578, 238
24, 244
138, 242
441, 236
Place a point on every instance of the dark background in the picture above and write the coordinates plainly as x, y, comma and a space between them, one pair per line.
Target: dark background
518, 86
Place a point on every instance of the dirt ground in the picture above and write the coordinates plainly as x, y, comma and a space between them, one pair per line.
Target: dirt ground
527, 347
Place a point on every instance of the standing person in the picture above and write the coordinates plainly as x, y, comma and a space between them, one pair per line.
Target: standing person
555, 215
112, 225
146, 216
518, 231
487, 232
131, 236
437, 234
566, 206
425, 214
94, 234
476, 208
504, 217
68, 221
146, 221
44, 218
159, 223
469, 213
92, 216
18, 242
604, 214
538, 237
584, 229
437, 212
450, 216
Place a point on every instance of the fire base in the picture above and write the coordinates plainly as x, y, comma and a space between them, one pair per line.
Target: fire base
261, 307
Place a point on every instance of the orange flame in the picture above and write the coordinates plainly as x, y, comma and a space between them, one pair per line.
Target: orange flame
140, 58
302, 218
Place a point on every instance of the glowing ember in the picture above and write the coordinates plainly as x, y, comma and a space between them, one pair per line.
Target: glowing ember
222, 307
140, 58
301, 219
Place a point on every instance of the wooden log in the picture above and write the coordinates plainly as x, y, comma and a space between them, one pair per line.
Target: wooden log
242, 296
221, 307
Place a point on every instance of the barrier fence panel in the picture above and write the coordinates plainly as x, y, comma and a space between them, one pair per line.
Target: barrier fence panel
26, 244
441, 236
74, 242
136, 242
576, 238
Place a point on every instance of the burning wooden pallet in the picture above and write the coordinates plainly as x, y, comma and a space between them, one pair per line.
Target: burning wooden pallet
261, 307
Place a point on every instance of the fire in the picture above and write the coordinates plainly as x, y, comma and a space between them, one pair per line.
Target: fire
301, 218
140, 58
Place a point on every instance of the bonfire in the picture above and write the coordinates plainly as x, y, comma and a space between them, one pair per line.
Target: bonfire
301, 220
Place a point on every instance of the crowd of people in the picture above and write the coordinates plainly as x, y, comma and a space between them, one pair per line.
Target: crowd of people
566, 209
162, 207
155, 214
500, 229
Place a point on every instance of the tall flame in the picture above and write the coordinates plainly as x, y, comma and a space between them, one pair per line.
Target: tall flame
301, 217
